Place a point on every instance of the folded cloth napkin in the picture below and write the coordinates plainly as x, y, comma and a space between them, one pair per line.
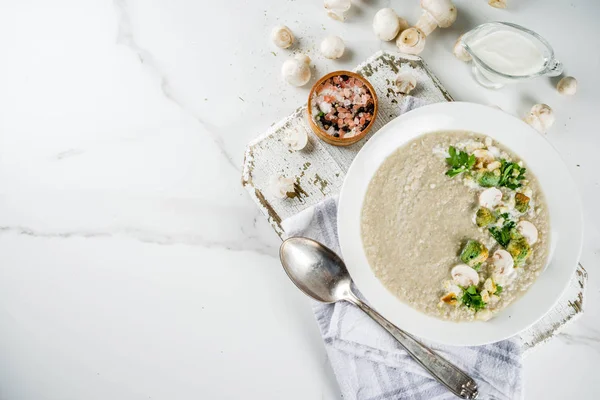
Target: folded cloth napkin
370, 364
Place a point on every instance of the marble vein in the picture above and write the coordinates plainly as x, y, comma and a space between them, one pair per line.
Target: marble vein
125, 37
587, 337
69, 153
582, 340
247, 244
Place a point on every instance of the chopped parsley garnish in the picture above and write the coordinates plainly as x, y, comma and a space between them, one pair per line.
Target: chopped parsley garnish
472, 298
511, 174
498, 289
319, 115
503, 235
459, 162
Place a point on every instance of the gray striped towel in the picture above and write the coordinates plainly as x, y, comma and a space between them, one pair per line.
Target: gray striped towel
368, 362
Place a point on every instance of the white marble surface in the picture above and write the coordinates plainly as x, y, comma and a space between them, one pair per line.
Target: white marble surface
132, 263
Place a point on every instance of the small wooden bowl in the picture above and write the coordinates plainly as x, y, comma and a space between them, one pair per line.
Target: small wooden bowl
324, 135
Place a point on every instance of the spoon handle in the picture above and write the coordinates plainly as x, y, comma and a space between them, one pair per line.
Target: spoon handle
445, 372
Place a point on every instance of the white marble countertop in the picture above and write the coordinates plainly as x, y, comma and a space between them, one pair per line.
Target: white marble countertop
133, 265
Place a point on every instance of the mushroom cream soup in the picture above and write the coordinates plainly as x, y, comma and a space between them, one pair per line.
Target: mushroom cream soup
455, 226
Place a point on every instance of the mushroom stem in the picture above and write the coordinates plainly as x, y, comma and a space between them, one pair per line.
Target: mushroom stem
337, 9
426, 23
411, 41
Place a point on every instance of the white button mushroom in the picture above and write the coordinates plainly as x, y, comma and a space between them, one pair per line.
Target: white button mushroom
528, 230
490, 197
464, 275
541, 117
406, 82
411, 41
296, 71
281, 187
460, 50
436, 13
567, 86
387, 24
337, 9
332, 47
497, 3
296, 138
503, 262
282, 36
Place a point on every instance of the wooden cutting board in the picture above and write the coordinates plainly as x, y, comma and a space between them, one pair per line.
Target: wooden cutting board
320, 169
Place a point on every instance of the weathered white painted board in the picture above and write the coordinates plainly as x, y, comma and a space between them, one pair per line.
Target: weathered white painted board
320, 168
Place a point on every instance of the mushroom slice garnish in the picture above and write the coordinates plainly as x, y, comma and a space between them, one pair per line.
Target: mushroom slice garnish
528, 230
490, 197
464, 276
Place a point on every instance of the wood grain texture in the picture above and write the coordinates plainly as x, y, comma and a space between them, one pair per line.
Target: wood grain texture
320, 168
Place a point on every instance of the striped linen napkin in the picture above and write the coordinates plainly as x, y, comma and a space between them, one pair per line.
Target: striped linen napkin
370, 364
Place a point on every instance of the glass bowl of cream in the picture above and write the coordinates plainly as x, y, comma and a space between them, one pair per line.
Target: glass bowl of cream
503, 53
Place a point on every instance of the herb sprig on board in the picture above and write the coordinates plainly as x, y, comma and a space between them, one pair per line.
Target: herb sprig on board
459, 162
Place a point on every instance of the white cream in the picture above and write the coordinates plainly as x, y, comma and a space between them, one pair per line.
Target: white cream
508, 52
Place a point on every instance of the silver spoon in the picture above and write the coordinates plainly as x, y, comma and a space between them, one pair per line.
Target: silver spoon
322, 275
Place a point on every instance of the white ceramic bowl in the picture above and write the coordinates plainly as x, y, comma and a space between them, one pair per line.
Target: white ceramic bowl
540, 158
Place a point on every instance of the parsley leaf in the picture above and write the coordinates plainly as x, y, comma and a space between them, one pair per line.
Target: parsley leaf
472, 298
502, 235
459, 161
511, 174
498, 289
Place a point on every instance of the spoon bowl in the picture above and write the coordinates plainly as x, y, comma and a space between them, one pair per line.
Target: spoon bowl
315, 269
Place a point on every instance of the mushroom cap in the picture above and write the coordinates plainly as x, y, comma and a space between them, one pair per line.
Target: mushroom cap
406, 82
497, 3
411, 41
503, 263
567, 86
303, 58
342, 5
442, 11
282, 36
541, 117
386, 24
464, 275
296, 138
296, 71
460, 51
280, 186
336, 9
332, 47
